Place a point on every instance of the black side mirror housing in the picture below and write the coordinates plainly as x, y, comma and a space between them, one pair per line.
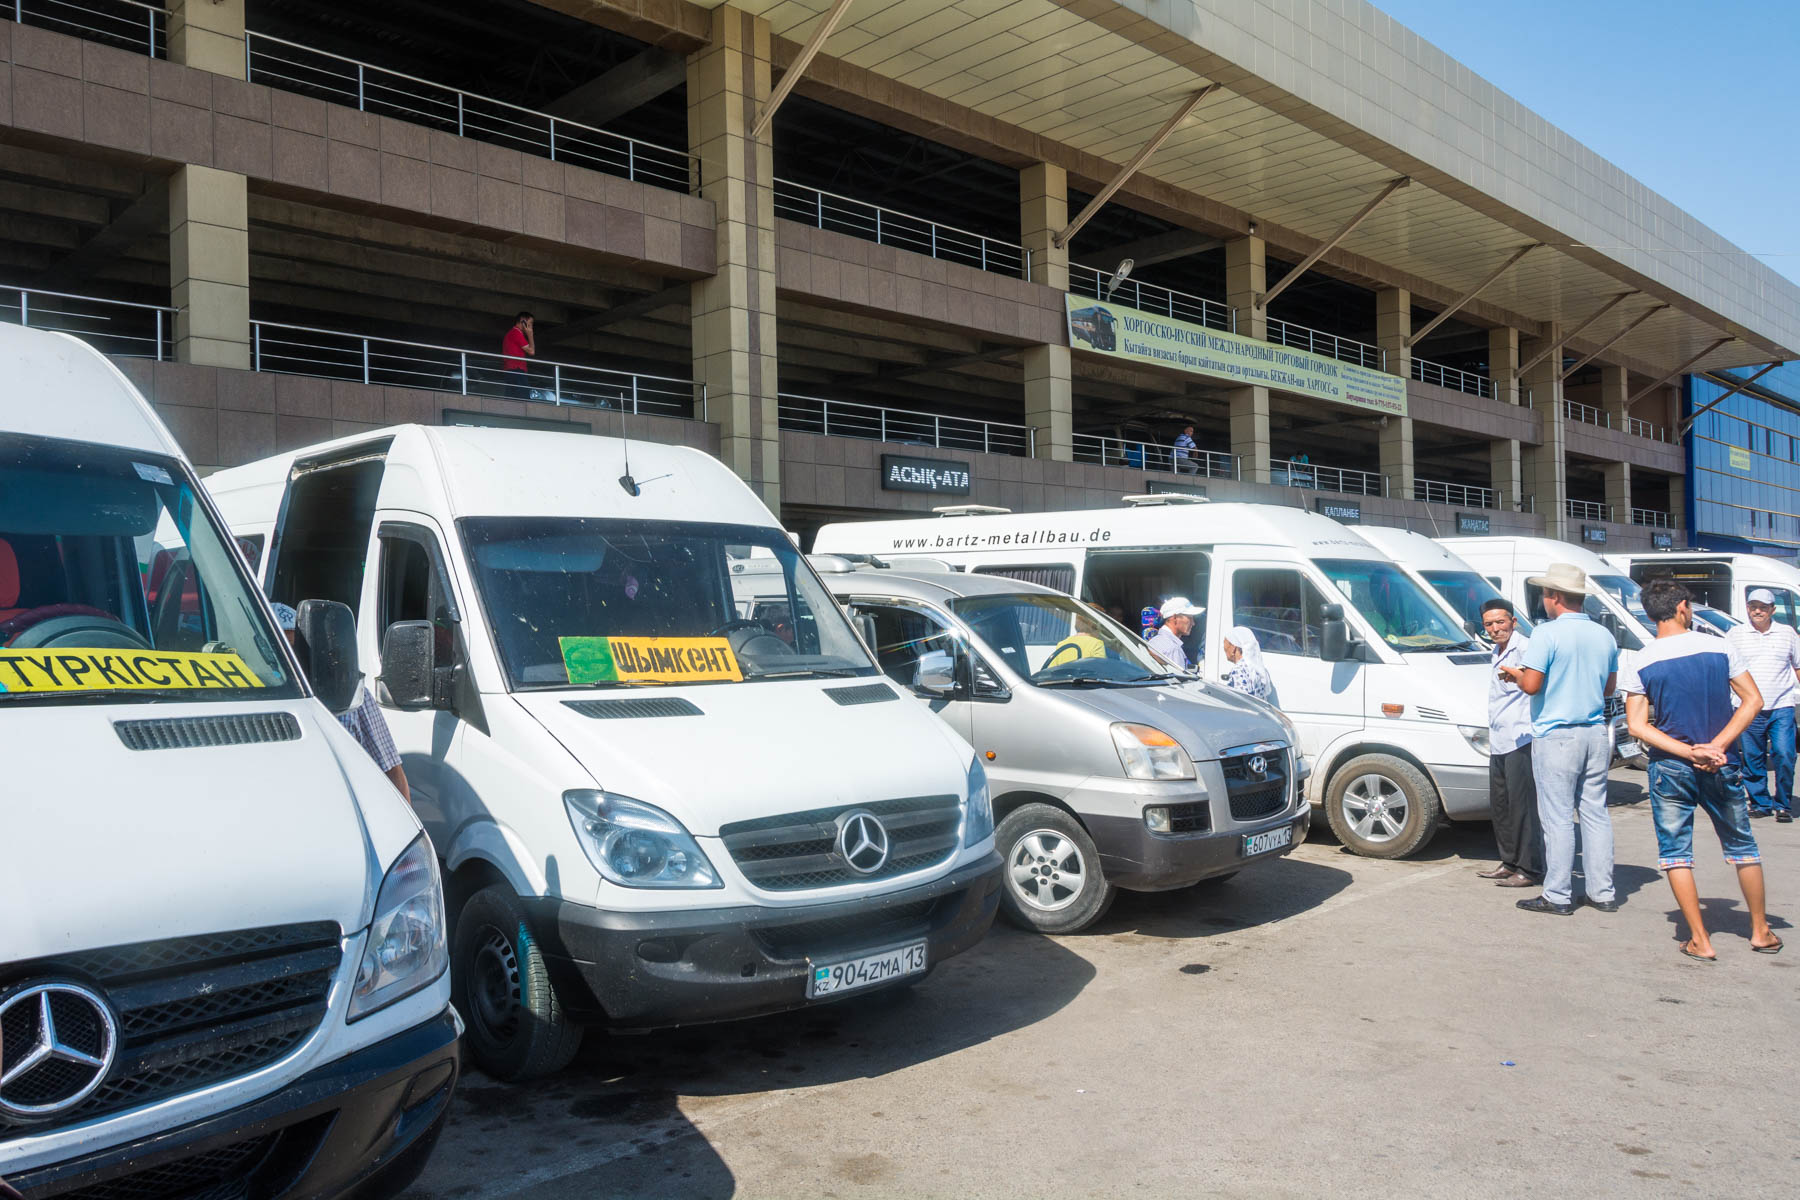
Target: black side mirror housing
409, 669
1334, 634
325, 639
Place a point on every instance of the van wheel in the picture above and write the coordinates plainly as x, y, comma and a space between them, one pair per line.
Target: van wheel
1053, 878
516, 1026
1381, 806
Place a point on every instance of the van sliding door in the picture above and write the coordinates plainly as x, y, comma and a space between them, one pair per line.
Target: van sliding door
322, 533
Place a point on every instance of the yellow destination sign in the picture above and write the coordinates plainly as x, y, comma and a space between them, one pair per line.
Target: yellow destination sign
67, 669
649, 660
1116, 331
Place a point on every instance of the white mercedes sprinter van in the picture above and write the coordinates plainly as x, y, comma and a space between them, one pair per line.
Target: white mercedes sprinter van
653, 809
1388, 695
1721, 581
1456, 583
222, 950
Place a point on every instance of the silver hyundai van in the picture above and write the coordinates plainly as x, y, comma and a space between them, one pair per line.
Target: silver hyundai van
1108, 771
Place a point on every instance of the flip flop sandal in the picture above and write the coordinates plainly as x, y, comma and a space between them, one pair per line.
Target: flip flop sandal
1706, 958
1775, 949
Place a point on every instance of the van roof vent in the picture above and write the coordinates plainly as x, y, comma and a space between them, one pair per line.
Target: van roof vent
196, 733
970, 510
869, 693
1155, 499
627, 710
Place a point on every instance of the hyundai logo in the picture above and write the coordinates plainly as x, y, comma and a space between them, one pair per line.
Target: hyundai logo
61, 1040
1259, 766
863, 841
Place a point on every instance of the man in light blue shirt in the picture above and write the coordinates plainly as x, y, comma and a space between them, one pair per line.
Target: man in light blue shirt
1512, 793
1177, 625
1569, 668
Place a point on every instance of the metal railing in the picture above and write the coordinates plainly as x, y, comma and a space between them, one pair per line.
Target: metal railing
127, 24
1289, 473
1587, 414
1650, 517
1317, 341
389, 362
293, 67
111, 326
1426, 371
1587, 510
1153, 456
1183, 306
1433, 491
1644, 429
906, 427
885, 226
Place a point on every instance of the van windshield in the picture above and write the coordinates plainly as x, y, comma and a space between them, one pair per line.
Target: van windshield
1467, 592
1630, 596
588, 602
116, 587
1394, 605
1052, 640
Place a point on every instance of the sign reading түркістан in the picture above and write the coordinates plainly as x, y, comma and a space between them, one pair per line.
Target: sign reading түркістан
1120, 332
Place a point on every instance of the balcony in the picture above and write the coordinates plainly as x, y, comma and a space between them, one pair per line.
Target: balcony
1183, 306
1330, 345
903, 427
1587, 510
1651, 518
1153, 456
1587, 414
888, 227
1426, 371
110, 326
127, 24
1432, 491
1291, 473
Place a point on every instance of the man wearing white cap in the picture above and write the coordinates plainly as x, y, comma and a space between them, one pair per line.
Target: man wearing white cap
1178, 615
1569, 669
1771, 652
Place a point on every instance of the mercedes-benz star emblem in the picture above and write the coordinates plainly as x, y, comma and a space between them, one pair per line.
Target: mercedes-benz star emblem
863, 841
60, 1043
1259, 766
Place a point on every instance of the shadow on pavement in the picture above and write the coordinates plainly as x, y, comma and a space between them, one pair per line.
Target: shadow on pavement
1723, 915
1267, 893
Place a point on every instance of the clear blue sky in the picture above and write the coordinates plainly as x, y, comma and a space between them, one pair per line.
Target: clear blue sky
1699, 99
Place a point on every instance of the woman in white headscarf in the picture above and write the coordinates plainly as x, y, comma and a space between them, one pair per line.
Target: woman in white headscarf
1247, 673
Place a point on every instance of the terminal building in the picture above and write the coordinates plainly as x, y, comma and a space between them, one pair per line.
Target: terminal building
884, 255
1743, 439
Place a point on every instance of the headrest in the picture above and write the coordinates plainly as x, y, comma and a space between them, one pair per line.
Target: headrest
9, 575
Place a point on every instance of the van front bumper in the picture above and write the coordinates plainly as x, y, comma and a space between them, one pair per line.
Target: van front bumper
360, 1127
1138, 860
653, 970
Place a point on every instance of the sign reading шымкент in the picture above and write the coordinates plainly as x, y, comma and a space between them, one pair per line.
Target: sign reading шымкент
1120, 332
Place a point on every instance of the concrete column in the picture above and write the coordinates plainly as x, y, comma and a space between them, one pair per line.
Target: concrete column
1396, 443
1250, 428
208, 35
1050, 400
209, 266
1678, 506
733, 311
1393, 325
1618, 491
1615, 387
1043, 211
1546, 481
1504, 473
1246, 277
1503, 364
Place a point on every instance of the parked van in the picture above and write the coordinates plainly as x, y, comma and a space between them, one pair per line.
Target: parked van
1721, 581
1387, 694
1456, 583
654, 809
1109, 771
222, 941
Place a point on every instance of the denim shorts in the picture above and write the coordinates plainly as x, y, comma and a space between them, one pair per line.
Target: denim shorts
1676, 789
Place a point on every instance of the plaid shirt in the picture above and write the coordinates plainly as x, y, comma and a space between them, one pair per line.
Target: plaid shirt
366, 724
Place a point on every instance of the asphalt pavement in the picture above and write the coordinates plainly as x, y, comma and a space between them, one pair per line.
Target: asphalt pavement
1325, 1024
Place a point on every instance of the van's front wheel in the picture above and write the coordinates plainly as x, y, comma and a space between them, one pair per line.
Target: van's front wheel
1381, 806
1053, 878
516, 1026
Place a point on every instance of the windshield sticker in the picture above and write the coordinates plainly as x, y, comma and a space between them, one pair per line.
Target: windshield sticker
73, 670
150, 473
649, 660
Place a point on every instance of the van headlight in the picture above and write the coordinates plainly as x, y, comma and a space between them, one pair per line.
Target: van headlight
405, 950
1476, 736
1148, 753
637, 845
979, 823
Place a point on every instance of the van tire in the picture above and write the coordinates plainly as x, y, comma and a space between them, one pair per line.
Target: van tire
1061, 839
517, 1028
1388, 780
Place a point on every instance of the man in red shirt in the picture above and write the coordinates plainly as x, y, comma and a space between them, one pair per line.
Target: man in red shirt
519, 343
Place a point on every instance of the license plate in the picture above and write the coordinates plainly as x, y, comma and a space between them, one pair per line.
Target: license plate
884, 966
1262, 843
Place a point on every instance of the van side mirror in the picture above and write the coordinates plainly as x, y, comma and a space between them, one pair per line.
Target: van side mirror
1334, 634
409, 669
937, 674
865, 625
325, 639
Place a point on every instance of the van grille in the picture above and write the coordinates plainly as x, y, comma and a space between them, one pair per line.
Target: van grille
869, 693
1190, 818
799, 850
653, 706
859, 931
195, 1011
194, 733
1251, 795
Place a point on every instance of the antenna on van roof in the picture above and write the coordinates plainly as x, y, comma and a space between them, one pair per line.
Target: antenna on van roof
1156, 499
970, 510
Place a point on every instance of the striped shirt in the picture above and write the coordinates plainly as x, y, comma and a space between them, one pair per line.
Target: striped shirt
1771, 659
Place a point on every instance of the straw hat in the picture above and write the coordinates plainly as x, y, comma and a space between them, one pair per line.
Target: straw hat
1561, 577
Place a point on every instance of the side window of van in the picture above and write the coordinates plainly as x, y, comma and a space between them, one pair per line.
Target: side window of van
251, 547
902, 635
1060, 576
1787, 606
413, 587
1281, 607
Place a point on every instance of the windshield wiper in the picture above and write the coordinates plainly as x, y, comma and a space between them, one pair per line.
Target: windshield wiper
117, 695
805, 673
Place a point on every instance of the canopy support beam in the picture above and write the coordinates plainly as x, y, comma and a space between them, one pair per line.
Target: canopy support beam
1574, 333
1651, 387
1612, 341
1059, 240
1325, 247
1418, 335
797, 68
1681, 430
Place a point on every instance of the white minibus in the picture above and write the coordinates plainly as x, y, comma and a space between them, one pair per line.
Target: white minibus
1721, 581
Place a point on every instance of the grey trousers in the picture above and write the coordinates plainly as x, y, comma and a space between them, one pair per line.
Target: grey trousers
1570, 766
1513, 805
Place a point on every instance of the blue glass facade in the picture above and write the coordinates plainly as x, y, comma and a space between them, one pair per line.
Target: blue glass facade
1743, 489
